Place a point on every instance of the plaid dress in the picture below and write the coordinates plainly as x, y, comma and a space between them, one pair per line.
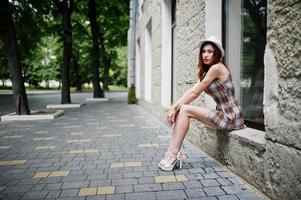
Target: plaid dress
227, 115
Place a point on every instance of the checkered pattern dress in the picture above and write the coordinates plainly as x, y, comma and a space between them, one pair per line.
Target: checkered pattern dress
227, 115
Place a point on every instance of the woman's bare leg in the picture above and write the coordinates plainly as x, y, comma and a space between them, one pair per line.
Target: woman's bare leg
181, 125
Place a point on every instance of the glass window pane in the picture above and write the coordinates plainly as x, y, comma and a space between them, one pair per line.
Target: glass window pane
253, 19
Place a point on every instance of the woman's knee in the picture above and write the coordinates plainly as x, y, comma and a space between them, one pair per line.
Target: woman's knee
185, 109
194, 111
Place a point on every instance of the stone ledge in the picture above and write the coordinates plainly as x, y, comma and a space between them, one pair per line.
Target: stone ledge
249, 136
35, 115
72, 105
96, 99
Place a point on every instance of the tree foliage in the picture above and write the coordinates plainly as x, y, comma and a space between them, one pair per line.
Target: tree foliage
39, 38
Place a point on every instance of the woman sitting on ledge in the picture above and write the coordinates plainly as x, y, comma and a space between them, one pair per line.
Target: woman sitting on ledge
216, 80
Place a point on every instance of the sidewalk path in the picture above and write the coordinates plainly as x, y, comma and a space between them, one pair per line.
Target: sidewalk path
106, 150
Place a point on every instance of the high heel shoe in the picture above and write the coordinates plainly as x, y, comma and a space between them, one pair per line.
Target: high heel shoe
167, 154
166, 166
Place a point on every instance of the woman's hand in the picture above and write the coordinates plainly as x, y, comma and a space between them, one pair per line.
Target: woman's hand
172, 115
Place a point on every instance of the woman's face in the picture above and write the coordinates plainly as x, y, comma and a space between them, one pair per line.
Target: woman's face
207, 54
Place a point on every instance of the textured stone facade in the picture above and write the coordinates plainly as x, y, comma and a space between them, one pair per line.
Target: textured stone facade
269, 160
283, 135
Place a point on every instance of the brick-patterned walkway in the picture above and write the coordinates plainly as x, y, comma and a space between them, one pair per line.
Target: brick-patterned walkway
106, 150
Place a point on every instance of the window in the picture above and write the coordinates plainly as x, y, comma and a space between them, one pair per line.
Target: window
247, 21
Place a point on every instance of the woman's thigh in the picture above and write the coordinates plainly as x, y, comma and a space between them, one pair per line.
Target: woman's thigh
198, 113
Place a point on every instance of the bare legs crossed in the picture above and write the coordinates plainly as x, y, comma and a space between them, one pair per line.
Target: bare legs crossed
181, 127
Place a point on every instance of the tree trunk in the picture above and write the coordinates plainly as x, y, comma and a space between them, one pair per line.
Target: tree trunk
8, 35
106, 65
78, 76
65, 71
98, 92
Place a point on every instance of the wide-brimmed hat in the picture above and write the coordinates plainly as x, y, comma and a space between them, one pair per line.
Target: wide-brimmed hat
215, 41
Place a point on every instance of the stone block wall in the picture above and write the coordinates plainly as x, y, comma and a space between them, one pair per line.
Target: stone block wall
283, 134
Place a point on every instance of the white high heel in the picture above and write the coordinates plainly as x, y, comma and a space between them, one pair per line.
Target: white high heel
162, 160
165, 166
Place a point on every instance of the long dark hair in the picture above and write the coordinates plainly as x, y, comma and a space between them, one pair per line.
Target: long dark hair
203, 68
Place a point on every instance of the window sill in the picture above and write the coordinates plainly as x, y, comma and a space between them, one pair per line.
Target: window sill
251, 137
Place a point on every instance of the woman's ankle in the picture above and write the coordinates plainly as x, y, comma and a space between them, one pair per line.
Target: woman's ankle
175, 151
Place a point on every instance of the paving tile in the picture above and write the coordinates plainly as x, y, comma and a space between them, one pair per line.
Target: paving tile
59, 173
210, 176
96, 197
147, 187
227, 197
69, 193
249, 196
106, 190
140, 196
181, 178
133, 175
75, 126
18, 189
173, 186
117, 165
143, 180
87, 191
235, 189
126, 125
128, 181
50, 180
71, 185
28, 181
41, 175
45, 147
176, 194
112, 135
12, 162
101, 183
5, 147
195, 193
12, 136
79, 141
38, 187
224, 181
148, 145
35, 195
165, 179
133, 164
193, 184
76, 151
214, 191
53, 186
76, 133
115, 197
41, 132
209, 183
43, 138
53, 194
124, 189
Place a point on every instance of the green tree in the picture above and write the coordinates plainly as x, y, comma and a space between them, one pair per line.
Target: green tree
92, 14
19, 32
114, 20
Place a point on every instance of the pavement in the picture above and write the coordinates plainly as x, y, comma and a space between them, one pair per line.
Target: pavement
106, 150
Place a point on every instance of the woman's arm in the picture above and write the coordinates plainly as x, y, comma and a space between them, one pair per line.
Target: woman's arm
191, 94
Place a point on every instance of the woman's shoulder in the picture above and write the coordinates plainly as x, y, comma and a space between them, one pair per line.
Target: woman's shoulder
218, 67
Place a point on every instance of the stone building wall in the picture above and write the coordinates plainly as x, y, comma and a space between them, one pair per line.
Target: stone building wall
269, 160
283, 100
